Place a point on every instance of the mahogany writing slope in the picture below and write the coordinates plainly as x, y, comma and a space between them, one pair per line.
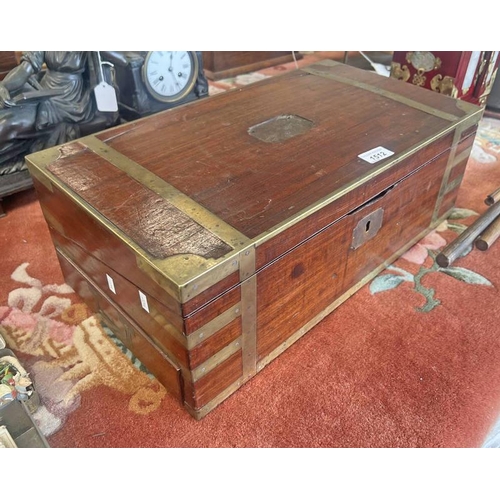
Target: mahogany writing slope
214, 235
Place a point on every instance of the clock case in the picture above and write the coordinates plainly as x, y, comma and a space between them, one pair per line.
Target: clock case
135, 101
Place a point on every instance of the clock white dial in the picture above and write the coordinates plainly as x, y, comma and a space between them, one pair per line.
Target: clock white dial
169, 76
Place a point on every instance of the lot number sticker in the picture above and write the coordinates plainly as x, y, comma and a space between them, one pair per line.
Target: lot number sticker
376, 154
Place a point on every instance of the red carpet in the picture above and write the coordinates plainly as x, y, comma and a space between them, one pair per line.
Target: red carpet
411, 360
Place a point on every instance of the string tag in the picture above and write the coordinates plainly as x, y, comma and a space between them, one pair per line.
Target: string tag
105, 94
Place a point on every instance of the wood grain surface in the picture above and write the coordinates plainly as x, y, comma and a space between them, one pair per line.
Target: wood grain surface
316, 273
151, 221
206, 152
83, 231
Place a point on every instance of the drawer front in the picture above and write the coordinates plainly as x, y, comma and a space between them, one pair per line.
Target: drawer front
295, 290
132, 336
151, 315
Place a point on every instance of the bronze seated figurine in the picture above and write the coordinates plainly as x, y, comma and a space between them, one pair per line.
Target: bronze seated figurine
44, 101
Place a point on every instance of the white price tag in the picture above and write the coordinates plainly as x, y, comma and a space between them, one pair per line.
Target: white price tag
111, 283
144, 301
105, 98
376, 154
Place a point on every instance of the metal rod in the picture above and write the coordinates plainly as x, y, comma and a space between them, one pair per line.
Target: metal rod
489, 236
447, 256
493, 197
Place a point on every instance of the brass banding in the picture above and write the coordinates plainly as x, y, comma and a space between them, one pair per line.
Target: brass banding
199, 414
247, 263
450, 164
344, 190
44, 159
185, 283
181, 283
249, 326
214, 361
315, 70
461, 157
248, 311
207, 330
188, 206
453, 185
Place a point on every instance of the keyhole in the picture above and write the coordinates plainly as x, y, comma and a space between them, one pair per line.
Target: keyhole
367, 227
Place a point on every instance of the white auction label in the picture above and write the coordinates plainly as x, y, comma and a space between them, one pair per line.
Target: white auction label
144, 301
111, 283
376, 154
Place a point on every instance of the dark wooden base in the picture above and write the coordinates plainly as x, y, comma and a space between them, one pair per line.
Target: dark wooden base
220, 65
8, 60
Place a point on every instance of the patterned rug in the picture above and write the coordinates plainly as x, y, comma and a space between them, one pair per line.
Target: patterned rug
412, 360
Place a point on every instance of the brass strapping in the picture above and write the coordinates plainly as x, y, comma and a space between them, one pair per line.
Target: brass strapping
199, 414
446, 175
389, 163
248, 311
453, 185
213, 326
247, 263
461, 157
214, 361
249, 326
317, 71
184, 203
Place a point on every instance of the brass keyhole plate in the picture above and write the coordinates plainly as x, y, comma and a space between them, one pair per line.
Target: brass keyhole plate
367, 228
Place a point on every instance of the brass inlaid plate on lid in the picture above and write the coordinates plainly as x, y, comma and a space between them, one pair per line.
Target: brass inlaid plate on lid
281, 128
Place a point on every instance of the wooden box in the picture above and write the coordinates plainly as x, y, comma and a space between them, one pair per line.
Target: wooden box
214, 235
219, 64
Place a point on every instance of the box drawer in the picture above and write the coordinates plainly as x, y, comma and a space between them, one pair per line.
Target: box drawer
126, 329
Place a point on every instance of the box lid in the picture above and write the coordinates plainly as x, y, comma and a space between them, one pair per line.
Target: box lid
194, 190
